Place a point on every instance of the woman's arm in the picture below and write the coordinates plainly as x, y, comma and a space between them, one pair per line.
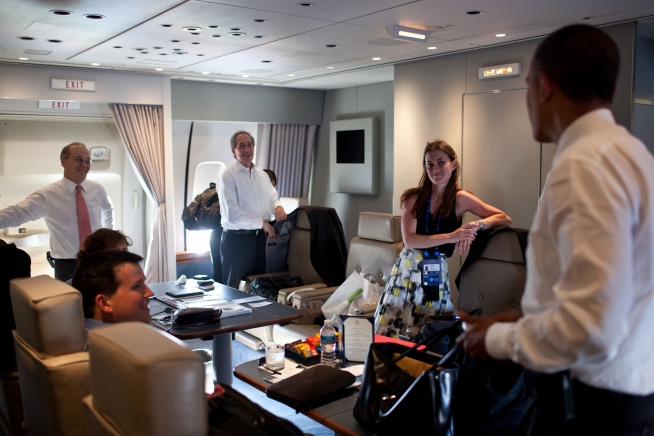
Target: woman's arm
490, 216
414, 240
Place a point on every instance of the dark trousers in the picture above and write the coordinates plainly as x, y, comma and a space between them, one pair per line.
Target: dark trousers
574, 408
214, 246
64, 269
243, 253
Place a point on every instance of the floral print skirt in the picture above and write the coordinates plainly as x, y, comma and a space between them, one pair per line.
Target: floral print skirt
403, 305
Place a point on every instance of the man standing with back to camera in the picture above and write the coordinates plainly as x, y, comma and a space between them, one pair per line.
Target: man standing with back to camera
247, 201
73, 208
587, 331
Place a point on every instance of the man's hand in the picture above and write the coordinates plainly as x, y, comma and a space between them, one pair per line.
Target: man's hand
280, 214
270, 230
474, 336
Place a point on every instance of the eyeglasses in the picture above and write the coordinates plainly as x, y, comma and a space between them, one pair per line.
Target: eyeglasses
79, 160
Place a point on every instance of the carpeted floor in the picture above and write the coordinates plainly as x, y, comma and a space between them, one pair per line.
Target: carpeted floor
240, 354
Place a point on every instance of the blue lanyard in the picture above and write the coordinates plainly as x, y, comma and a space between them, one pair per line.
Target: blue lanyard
438, 222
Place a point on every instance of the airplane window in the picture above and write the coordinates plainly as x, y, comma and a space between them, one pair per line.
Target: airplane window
205, 172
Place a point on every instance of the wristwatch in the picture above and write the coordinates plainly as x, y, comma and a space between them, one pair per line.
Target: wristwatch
480, 225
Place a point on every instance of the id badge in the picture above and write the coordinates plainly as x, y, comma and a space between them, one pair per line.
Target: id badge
431, 272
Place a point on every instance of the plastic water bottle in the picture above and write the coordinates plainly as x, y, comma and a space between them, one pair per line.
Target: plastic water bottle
328, 344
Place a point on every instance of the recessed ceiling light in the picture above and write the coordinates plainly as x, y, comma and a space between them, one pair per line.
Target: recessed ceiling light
158, 69
163, 54
118, 46
23, 59
177, 49
179, 52
94, 16
266, 61
331, 45
432, 48
145, 52
214, 26
56, 41
167, 25
444, 26
474, 12
588, 18
235, 29
206, 72
191, 29
199, 55
237, 33
291, 75
259, 20
216, 36
95, 64
138, 48
329, 68
305, 4
174, 40
195, 43
245, 75
157, 48
376, 59
259, 36
131, 57
195, 33
60, 12
26, 38
500, 35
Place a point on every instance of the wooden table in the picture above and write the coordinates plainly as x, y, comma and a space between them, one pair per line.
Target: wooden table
274, 313
336, 415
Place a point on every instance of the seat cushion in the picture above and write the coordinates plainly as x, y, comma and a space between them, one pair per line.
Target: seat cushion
147, 382
49, 316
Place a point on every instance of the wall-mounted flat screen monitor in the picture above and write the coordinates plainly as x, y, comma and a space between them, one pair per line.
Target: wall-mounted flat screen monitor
350, 147
354, 156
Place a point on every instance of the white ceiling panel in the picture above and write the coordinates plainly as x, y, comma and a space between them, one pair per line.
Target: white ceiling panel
292, 37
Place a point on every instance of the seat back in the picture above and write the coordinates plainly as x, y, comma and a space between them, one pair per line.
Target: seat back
53, 364
144, 383
496, 280
298, 259
291, 203
374, 250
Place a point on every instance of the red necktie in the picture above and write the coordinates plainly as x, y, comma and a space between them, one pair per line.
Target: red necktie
83, 220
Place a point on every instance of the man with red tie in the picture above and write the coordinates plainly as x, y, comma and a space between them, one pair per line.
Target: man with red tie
72, 207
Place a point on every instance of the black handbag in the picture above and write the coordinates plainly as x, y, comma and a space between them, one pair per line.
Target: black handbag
233, 414
268, 287
390, 398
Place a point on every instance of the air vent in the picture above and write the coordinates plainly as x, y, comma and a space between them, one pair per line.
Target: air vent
94, 16
61, 13
37, 52
192, 28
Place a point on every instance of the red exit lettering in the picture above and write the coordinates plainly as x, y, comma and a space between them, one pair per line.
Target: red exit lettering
60, 105
74, 84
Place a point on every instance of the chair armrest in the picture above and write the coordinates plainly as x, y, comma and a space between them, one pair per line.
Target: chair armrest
284, 295
310, 303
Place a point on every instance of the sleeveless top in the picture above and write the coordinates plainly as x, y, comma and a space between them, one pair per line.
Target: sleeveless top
448, 224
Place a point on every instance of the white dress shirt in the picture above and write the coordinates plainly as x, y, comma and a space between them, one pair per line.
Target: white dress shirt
589, 296
247, 198
58, 205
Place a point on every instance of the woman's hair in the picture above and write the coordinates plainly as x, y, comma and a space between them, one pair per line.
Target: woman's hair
101, 240
423, 191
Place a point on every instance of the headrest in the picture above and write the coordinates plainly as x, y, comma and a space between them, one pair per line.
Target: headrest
49, 315
147, 382
383, 227
302, 220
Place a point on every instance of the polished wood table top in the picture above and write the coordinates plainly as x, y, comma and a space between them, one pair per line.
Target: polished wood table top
274, 313
336, 415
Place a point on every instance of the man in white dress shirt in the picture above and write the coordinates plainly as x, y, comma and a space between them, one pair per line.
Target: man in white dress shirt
247, 201
64, 206
587, 331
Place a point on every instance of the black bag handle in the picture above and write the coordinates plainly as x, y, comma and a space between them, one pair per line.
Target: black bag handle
428, 341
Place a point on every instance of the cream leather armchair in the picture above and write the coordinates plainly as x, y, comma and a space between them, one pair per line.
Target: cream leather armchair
372, 252
53, 364
144, 383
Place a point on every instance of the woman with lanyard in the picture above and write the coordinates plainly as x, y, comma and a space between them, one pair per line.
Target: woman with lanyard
431, 224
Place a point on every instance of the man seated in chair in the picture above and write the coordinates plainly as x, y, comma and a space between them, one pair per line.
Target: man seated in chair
113, 288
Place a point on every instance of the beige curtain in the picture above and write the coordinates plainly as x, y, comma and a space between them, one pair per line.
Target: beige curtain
141, 129
287, 149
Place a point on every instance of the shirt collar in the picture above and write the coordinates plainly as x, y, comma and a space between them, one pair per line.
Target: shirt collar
71, 186
583, 125
241, 167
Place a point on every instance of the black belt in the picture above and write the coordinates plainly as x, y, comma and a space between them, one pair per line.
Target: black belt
244, 232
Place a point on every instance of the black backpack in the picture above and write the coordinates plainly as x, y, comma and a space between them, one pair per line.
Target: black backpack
204, 211
268, 287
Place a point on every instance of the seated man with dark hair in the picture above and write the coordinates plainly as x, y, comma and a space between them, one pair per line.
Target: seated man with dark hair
113, 288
